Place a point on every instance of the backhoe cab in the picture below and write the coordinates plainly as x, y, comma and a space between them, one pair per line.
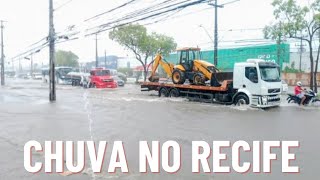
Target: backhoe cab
192, 68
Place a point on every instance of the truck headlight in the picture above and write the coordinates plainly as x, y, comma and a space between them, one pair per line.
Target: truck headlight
264, 100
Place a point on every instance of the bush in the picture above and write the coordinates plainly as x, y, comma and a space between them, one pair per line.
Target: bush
291, 69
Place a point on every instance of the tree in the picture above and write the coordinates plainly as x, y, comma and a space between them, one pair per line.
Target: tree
297, 22
135, 38
66, 58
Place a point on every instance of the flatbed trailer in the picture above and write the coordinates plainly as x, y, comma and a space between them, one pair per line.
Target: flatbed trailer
255, 82
223, 94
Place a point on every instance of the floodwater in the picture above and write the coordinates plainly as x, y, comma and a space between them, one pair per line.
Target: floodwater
128, 115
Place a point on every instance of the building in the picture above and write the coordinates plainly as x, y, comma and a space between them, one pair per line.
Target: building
227, 57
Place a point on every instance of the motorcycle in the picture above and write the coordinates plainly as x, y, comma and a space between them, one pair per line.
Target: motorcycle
311, 97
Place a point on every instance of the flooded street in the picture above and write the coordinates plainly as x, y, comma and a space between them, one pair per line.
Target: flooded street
128, 115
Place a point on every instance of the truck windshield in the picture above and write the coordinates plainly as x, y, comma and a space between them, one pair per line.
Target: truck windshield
270, 74
103, 73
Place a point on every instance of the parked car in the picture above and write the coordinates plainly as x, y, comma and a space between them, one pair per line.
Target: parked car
119, 81
37, 76
21, 76
122, 76
284, 86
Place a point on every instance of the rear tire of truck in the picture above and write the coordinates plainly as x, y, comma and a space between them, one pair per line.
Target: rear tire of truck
163, 92
174, 92
178, 77
241, 100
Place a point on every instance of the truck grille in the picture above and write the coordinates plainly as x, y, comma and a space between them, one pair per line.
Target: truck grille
273, 98
107, 80
274, 90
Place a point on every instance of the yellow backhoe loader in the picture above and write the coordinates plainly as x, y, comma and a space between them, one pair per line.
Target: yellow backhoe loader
189, 67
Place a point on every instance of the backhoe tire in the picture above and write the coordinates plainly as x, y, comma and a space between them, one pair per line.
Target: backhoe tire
241, 100
163, 92
178, 77
174, 92
198, 79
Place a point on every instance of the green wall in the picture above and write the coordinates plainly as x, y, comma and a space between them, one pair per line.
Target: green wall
227, 57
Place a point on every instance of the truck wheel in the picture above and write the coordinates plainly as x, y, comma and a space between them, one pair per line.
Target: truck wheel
174, 92
241, 100
198, 79
163, 92
178, 77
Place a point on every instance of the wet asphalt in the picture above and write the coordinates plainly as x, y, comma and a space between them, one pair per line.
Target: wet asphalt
128, 115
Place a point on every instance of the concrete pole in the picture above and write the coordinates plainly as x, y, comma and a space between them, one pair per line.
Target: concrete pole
105, 58
216, 33
2, 57
97, 63
52, 79
31, 65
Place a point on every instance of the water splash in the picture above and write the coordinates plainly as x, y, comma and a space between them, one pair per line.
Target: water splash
89, 113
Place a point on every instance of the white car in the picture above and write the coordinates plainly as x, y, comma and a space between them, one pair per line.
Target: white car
37, 76
284, 86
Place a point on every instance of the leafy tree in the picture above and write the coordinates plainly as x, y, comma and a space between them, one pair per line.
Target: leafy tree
298, 22
135, 38
66, 58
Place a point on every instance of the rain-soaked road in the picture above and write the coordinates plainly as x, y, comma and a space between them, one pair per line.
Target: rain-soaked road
130, 116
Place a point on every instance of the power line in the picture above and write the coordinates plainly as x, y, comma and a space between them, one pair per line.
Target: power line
141, 12
111, 10
62, 5
103, 27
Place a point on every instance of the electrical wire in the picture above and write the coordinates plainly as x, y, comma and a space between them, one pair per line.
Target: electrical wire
141, 12
103, 27
111, 10
62, 5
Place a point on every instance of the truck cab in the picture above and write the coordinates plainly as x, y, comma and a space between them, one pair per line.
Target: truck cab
258, 81
102, 78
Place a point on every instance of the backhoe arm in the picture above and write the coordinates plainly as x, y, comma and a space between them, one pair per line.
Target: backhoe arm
168, 68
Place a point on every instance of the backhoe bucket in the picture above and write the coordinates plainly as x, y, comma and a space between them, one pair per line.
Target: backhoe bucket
154, 78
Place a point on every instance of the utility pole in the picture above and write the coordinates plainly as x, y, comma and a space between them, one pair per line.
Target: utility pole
215, 4
216, 33
105, 58
52, 79
20, 68
2, 56
13, 68
300, 52
97, 63
31, 65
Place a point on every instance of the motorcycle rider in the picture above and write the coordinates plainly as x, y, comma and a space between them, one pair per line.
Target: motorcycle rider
299, 92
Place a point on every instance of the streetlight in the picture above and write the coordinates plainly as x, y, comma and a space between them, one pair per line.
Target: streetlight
206, 32
31, 60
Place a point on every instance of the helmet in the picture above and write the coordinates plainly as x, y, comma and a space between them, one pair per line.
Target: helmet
299, 83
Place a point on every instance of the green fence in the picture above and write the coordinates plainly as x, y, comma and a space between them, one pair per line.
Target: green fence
227, 57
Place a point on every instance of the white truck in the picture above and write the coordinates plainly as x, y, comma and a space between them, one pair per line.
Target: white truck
255, 82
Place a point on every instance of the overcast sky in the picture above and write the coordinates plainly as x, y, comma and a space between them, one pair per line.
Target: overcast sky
27, 23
